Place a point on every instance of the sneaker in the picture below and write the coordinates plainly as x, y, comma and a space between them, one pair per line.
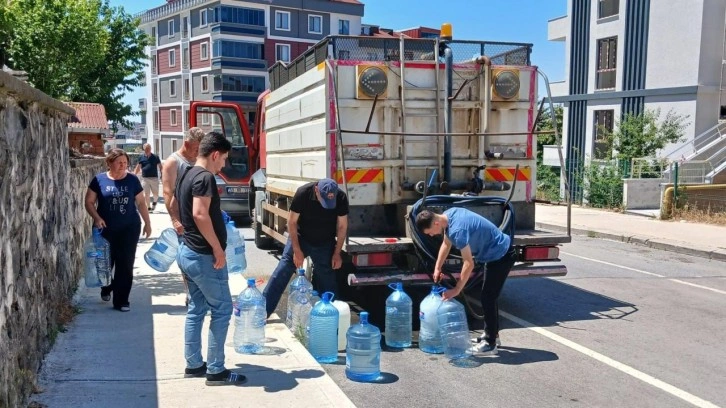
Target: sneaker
125, 309
150, 209
483, 337
195, 372
153, 206
226, 377
484, 349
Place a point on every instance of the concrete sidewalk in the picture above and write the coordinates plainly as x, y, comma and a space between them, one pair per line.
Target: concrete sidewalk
703, 240
136, 359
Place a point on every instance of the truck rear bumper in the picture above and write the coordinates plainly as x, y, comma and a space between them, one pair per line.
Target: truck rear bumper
384, 277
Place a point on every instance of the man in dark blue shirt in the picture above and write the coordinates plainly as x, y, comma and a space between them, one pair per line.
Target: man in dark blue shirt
150, 166
480, 242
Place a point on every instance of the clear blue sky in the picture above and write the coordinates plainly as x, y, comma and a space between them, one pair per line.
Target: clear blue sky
494, 20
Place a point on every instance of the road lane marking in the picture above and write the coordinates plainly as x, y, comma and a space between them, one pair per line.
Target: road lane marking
677, 392
722, 292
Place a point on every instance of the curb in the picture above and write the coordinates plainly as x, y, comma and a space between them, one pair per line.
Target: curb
718, 255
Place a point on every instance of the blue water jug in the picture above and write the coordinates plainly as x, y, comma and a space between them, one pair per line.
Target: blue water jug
235, 251
163, 252
454, 329
299, 284
399, 307
429, 337
363, 351
323, 330
97, 260
250, 317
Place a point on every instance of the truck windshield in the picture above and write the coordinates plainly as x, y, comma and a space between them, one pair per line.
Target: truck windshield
225, 121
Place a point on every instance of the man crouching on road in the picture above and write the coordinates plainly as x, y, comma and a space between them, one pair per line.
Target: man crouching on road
201, 259
479, 241
316, 228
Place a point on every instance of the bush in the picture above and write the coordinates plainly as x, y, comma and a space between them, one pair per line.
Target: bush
604, 185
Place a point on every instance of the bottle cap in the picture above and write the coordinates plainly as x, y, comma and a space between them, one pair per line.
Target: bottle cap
363, 317
301, 271
251, 282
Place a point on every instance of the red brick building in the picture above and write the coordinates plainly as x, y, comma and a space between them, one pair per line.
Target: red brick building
88, 127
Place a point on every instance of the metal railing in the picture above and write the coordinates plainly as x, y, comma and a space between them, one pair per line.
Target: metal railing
649, 167
365, 48
699, 142
690, 172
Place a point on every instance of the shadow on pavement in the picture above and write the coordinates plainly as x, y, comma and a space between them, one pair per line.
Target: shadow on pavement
549, 302
275, 380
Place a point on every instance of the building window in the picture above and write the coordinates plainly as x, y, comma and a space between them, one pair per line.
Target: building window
239, 15
156, 120
153, 36
171, 28
603, 127
215, 120
239, 83
174, 145
205, 83
172, 58
172, 117
155, 92
282, 52
205, 119
204, 51
186, 118
344, 27
282, 20
315, 24
203, 21
607, 55
172, 88
237, 49
607, 8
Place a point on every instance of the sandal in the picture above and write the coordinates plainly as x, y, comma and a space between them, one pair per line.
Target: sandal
226, 377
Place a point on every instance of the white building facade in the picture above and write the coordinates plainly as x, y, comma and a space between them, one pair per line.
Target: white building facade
628, 56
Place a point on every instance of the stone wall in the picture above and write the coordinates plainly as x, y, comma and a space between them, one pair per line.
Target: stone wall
42, 229
639, 194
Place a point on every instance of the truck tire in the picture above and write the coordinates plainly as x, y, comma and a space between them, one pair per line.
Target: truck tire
262, 241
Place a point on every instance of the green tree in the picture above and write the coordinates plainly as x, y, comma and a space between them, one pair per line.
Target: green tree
82, 50
548, 178
643, 135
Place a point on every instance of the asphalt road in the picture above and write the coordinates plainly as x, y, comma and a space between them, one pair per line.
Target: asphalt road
628, 326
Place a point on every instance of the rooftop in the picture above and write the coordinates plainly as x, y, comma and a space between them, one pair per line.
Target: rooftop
88, 116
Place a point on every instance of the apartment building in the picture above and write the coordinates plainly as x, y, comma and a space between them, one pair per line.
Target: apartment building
220, 51
626, 56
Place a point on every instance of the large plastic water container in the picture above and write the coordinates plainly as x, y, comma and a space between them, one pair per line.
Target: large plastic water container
429, 337
323, 330
235, 251
301, 316
97, 260
363, 352
250, 316
399, 307
163, 252
454, 329
299, 284
343, 322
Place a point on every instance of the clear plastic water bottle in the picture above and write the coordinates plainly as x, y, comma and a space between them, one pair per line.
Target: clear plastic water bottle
90, 274
399, 307
235, 251
454, 329
98, 252
363, 352
429, 337
301, 317
314, 298
323, 333
299, 284
250, 317
163, 252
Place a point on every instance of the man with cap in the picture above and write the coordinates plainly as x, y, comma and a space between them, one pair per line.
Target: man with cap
316, 228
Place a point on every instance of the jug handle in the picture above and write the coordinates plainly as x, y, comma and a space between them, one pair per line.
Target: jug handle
392, 286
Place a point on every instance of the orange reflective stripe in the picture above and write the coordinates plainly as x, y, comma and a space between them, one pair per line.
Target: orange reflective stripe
507, 174
360, 176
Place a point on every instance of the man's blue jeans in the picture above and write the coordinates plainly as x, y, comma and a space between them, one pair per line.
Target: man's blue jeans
208, 289
323, 278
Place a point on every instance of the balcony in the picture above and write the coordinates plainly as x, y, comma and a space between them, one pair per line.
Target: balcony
557, 28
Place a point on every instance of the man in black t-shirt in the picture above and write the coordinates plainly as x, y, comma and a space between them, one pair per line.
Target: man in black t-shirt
201, 259
150, 166
317, 227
